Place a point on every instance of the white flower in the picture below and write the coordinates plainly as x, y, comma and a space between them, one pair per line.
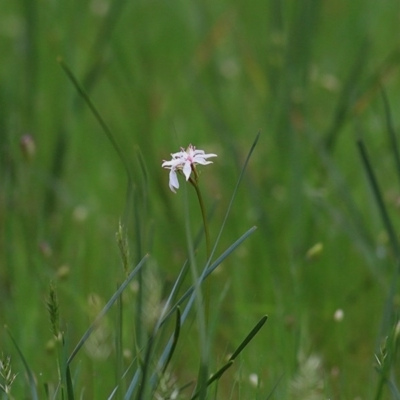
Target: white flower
185, 161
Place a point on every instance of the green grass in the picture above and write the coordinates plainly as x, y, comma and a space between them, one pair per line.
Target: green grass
319, 80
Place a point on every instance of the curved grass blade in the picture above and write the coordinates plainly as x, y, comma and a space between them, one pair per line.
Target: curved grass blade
94, 111
147, 360
161, 366
174, 290
105, 128
28, 371
388, 309
391, 132
379, 199
190, 294
175, 339
106, 308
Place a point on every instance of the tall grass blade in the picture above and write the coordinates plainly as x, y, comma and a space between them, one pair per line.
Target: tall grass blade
109, 304
379, 199
274, 388
352, 221
132, 385
29, 373
388, 310
249, 337
347, 98
253, 146
104, 34
95, 113
119, 345
174, 340
70, 386
104, 126
201, 309
217, 375
394, 146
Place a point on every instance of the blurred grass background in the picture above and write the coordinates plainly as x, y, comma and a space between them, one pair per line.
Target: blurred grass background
164, 74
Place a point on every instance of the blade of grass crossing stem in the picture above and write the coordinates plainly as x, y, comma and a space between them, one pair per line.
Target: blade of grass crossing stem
213, 266
154, 378
106, 308
29, 373
189, 293
391, 132
174, 291
163, 362
378, 197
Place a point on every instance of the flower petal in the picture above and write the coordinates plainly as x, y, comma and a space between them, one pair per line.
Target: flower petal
173, 163
201, 161
187, 169
173, 180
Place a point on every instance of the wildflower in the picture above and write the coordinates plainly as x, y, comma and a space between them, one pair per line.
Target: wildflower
185, 161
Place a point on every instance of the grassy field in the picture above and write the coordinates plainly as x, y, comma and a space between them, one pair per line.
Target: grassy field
95, 95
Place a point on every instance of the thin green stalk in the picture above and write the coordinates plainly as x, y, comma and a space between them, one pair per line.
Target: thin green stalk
207, 235
203, 214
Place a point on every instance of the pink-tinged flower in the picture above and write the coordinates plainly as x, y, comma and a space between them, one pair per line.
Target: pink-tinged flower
185, 161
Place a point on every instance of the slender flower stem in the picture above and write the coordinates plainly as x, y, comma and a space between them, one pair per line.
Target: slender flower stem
203, 213
194, 182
